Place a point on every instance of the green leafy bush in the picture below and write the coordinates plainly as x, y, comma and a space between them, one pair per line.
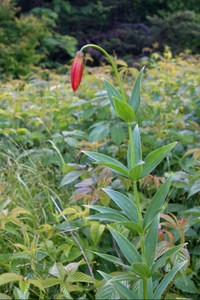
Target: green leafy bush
27, 41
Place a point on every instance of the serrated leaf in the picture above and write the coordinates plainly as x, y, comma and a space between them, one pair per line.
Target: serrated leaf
135, 95
112, 92
124, 110
167, 279
96, 231
71, 268
108, 161
155, 157
58, 271
4, 297
141, 269
9, 277
128, 250
70, 177
106, 292
49, 282
162, 260
123, 291
64, 287
80, 277
156, 203
127, 205
186, 285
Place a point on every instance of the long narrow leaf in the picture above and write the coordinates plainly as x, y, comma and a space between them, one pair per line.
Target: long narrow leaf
114, 260
155, 157
156, 203
167, 279
127, 205
135, 95
151, 241
112, 92
137, 145
108, 161
111, 217
128, 250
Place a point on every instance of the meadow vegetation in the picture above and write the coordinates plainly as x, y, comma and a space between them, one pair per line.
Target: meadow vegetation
46, 180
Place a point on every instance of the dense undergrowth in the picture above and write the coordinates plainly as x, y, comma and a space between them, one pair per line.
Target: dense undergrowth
43, 129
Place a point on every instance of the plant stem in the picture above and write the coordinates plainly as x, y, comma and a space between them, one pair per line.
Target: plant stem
145, 291
112, 64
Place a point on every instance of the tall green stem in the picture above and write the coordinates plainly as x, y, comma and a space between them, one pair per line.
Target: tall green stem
112, 64
145, 290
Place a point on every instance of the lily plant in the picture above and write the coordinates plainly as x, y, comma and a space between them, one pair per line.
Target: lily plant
141, 277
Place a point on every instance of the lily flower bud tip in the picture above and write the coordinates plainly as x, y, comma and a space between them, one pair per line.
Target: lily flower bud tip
77, 71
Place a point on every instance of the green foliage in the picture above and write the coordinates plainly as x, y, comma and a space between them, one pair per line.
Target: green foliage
180, 31
27, 41
45, 131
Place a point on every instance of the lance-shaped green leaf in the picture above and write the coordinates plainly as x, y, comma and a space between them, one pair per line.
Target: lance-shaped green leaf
127, 248
162, 260
135, 173
108, 161
137, 148
111, 217
135, 95
150, 241
142, 269
133, 226
155, 157
167, 279
112, 92
114, 260
156, 203
124, 110
127, 205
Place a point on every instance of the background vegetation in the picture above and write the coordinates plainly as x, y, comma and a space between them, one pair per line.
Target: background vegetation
48, 33
44, 127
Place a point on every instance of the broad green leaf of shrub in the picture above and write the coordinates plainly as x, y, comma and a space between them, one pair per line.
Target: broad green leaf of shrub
162, 260
124, 292
135, 95
96, 231
124, 110
155, 157
70, 177
9, 277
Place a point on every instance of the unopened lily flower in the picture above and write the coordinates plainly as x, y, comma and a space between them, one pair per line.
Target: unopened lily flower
77, 70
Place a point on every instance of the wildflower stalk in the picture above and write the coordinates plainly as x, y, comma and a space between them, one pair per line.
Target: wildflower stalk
112, 64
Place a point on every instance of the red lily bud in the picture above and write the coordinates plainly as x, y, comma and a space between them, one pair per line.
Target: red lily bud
77, 71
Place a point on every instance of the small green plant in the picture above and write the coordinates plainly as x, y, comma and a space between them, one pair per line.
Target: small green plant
141, 277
